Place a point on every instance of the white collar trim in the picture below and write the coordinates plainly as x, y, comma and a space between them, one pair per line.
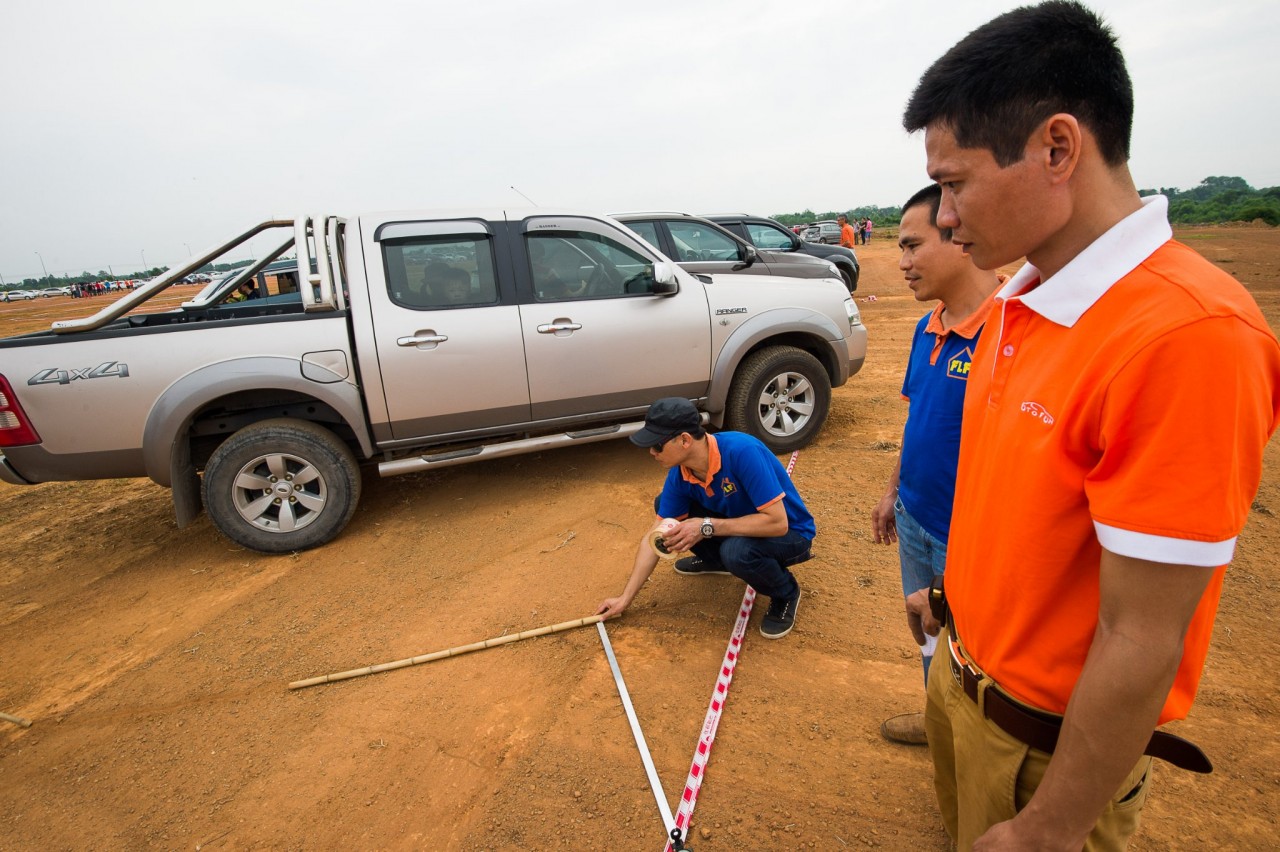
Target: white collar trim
1065, 297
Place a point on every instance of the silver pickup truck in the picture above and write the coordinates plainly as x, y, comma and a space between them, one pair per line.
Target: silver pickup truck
412, 340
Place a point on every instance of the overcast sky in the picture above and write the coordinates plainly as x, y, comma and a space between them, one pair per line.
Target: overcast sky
135, 128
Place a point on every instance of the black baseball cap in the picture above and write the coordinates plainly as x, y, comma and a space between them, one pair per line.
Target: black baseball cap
667, 418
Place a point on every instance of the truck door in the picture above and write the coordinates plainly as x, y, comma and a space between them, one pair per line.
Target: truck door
597, 339
446, 330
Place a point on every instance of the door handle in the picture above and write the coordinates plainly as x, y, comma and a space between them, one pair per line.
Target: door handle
553, 327
421, 338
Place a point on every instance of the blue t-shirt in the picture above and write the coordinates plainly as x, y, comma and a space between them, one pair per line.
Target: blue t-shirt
749, 477
931, 439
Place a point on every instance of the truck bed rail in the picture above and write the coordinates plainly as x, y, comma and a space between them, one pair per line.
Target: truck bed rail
136, 297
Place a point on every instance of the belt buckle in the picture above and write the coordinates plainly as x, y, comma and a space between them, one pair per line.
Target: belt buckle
981, 681
955, 667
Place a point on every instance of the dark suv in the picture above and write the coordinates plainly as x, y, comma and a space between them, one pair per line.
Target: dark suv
775, 237
700, 245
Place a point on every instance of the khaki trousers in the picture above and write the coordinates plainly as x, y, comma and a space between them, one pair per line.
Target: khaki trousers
984, 776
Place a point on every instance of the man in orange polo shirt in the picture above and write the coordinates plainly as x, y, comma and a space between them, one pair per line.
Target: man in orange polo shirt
1118, 406
847, 237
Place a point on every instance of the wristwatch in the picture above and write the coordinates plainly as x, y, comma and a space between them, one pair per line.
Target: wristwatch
707, 530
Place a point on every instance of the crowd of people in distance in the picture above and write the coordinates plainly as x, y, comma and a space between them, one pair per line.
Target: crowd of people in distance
86, 289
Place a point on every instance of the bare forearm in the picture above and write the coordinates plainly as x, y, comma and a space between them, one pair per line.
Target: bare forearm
1111, 715
752, 526
646, 561
894, 479
1143, 614
766, 524
884, 523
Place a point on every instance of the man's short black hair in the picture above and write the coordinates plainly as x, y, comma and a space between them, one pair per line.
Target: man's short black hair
997, 84
931, 195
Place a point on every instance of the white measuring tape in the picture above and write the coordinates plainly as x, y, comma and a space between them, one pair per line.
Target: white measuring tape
654, 783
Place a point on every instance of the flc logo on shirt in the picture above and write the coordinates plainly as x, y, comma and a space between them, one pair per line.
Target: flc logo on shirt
728, 487
958, 367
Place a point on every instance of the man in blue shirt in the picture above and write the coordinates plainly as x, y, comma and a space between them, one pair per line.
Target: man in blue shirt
738, 512
915, 511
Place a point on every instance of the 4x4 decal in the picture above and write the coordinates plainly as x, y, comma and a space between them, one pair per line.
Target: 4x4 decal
54, 376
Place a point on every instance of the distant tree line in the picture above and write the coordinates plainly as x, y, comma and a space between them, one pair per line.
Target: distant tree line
878, 215
1221, 199
105, 275
1215, 201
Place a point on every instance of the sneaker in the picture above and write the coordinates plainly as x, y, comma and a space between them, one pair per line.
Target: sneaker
780, 618
905, 728
697, 565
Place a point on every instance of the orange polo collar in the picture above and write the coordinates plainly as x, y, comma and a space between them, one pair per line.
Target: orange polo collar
713, 466
967, 329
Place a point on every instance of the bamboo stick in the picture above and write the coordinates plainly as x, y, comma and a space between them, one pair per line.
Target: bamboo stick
448, 652
17, 720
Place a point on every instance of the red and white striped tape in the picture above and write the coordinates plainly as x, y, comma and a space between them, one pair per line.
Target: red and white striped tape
697, 770
693, 783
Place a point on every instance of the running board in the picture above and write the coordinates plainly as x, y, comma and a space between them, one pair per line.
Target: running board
509, 448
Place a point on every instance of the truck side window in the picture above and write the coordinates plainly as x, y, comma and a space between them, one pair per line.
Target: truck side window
647, 231
440, 272
769, 237
695, 242
571, 265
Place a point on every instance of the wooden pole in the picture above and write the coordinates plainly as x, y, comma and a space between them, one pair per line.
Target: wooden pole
17, 720
448, 652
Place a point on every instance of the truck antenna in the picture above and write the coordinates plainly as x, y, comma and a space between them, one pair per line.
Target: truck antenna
525, 197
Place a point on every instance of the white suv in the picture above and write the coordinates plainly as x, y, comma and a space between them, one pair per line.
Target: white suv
825, 231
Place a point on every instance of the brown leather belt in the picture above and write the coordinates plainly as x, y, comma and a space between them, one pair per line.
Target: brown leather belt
1040, 730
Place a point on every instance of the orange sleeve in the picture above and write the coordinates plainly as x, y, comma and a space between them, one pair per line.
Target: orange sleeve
1182, 434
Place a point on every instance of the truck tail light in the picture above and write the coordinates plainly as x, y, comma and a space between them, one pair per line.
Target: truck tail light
15, 429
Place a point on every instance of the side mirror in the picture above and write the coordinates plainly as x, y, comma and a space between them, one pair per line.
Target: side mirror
664, 280
749, 256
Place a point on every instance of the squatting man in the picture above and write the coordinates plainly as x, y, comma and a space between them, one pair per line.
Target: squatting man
738, 512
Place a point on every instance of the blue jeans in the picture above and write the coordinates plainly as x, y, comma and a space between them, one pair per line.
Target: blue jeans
922, 556
760, 562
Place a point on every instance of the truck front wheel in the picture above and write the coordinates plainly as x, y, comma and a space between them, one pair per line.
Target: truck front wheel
281, 485
781, 395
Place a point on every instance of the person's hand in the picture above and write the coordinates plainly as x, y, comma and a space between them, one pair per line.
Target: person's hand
920, 617
611, 607
1015, 836
684, 536
884, 524
998, 836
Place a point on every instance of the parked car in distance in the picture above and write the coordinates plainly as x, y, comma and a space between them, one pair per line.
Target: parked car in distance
773, 236
701, 246
17, 295
827, 231
49, 292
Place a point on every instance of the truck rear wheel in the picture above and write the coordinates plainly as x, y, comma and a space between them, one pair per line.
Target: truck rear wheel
781, 395
281, 485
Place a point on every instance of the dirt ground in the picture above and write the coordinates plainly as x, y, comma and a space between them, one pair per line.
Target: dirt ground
154, 662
